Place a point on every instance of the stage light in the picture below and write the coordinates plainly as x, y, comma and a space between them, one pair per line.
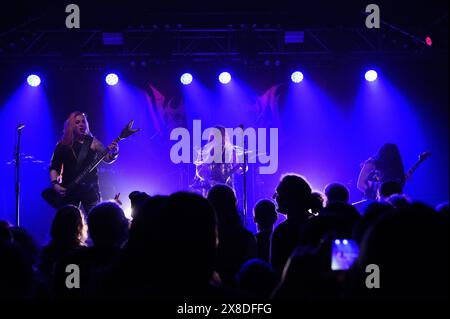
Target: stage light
128, 212
337, 242
371, 75
297, 77
33, 80
345, 242
111, 79
224, 77
428, 41
186, 78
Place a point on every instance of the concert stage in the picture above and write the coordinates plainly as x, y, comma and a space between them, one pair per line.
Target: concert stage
302, 88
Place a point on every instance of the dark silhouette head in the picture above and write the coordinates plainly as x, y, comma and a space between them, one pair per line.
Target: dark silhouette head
399, 200
137, 200
389, 188
336, 192
188, 233
108, 225
16, 272
256, 278
373, 212
336, 220
143, 236
317, 200
236, 244
410, 247
141, 229
223, 200
293, 195
172, 246
303, 276
389, 162
26, 241
68, 228
264, 214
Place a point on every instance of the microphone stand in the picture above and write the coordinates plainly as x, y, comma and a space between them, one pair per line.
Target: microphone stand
245, 188
17, 162
244, 180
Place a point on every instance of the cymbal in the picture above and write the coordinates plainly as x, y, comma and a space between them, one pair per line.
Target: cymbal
239, 151
26, 159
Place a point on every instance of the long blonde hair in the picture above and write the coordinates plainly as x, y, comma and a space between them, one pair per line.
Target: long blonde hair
226, 147
69, 124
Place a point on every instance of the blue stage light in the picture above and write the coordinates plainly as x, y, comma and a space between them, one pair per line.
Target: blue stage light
186, 78
297, 77
224, 77
371, 75
33, 80
111, 79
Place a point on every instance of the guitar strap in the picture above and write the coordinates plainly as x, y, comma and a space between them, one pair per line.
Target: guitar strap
84, 151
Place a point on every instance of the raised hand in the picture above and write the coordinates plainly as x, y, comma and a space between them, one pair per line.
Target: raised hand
117, 200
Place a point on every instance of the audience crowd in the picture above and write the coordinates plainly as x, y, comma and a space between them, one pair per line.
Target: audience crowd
184, 246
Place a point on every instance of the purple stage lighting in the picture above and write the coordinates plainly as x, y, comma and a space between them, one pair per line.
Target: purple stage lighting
224, 77
186, 79
112, 79
371, 75
297, 77
33, 80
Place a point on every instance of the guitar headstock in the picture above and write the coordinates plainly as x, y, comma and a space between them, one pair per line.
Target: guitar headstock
424, 156
128, 130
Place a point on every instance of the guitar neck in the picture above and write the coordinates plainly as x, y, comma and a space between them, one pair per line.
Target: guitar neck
94, 164
413, 168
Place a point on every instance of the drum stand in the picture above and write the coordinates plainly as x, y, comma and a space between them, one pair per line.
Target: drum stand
17, 162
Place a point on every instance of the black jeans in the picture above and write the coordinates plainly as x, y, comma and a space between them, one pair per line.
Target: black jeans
86, 198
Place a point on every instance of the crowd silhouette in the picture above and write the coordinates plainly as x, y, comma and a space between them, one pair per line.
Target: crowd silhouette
186, 247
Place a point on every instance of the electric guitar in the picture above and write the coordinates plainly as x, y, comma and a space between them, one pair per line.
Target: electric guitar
374, 179
422, 157
56, 200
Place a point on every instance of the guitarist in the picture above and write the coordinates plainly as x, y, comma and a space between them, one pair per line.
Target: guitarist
76, 149
387, 165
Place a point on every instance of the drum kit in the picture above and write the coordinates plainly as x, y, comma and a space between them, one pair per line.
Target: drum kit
209, 174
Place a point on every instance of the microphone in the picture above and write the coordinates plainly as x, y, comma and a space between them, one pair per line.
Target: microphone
20, 126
